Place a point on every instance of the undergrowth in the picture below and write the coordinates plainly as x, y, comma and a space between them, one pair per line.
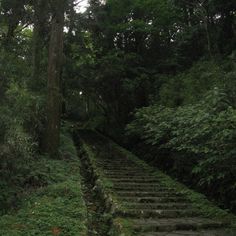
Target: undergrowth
54, 206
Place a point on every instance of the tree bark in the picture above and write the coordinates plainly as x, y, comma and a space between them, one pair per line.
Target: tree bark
52, 139
40, 21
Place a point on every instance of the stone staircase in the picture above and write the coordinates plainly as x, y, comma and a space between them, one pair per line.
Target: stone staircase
147, 204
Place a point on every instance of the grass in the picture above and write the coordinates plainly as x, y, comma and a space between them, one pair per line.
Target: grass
122, 227
55, 208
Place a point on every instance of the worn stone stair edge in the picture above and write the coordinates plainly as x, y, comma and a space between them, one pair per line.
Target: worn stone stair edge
102, 184
111, 205
206, 208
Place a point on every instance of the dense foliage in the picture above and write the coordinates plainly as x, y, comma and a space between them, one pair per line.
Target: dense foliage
23, 97
120, 54
199, 139
173, 62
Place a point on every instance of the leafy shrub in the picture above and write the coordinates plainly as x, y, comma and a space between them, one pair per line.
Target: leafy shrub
190, 86
205, 130
15, 157
20, 125
22, 168
27, 108
57, 208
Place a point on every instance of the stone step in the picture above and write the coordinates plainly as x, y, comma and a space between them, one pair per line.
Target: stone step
167, 225
143, 188
114, 164
128, 176
136, 180
153, 199
147, 187
121, 170
156, 206
150, 213
133, 177
124, 162
125, 172
147, 194
219, 232
135, 185
119, 166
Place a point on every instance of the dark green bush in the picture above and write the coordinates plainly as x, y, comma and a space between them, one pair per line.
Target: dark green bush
20, 126
55, 207
190, 86
205, 131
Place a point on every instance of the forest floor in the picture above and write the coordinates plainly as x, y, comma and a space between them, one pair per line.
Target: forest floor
144, 201
48, 197
58, 208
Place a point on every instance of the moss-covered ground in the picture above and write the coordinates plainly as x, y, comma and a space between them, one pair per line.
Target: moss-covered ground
56, 207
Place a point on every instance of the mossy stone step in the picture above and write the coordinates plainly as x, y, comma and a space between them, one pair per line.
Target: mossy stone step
219, 232
154, 193
155, 206
146, 187
167, 225
133, 178
118, 165
118, 168
120, 162
110, 158
136, 185
158, 213
136, 180
126, 172
143, 185
153, 199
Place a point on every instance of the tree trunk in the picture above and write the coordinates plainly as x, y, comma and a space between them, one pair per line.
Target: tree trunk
209, 44
52, 139
40, 19
205, 16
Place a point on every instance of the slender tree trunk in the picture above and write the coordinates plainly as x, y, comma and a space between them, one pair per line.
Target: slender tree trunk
205, 15
209, 44
52, 139
40, 18
208, 40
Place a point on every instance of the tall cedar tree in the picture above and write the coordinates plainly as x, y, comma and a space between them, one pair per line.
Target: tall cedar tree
52, 138
39, 35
